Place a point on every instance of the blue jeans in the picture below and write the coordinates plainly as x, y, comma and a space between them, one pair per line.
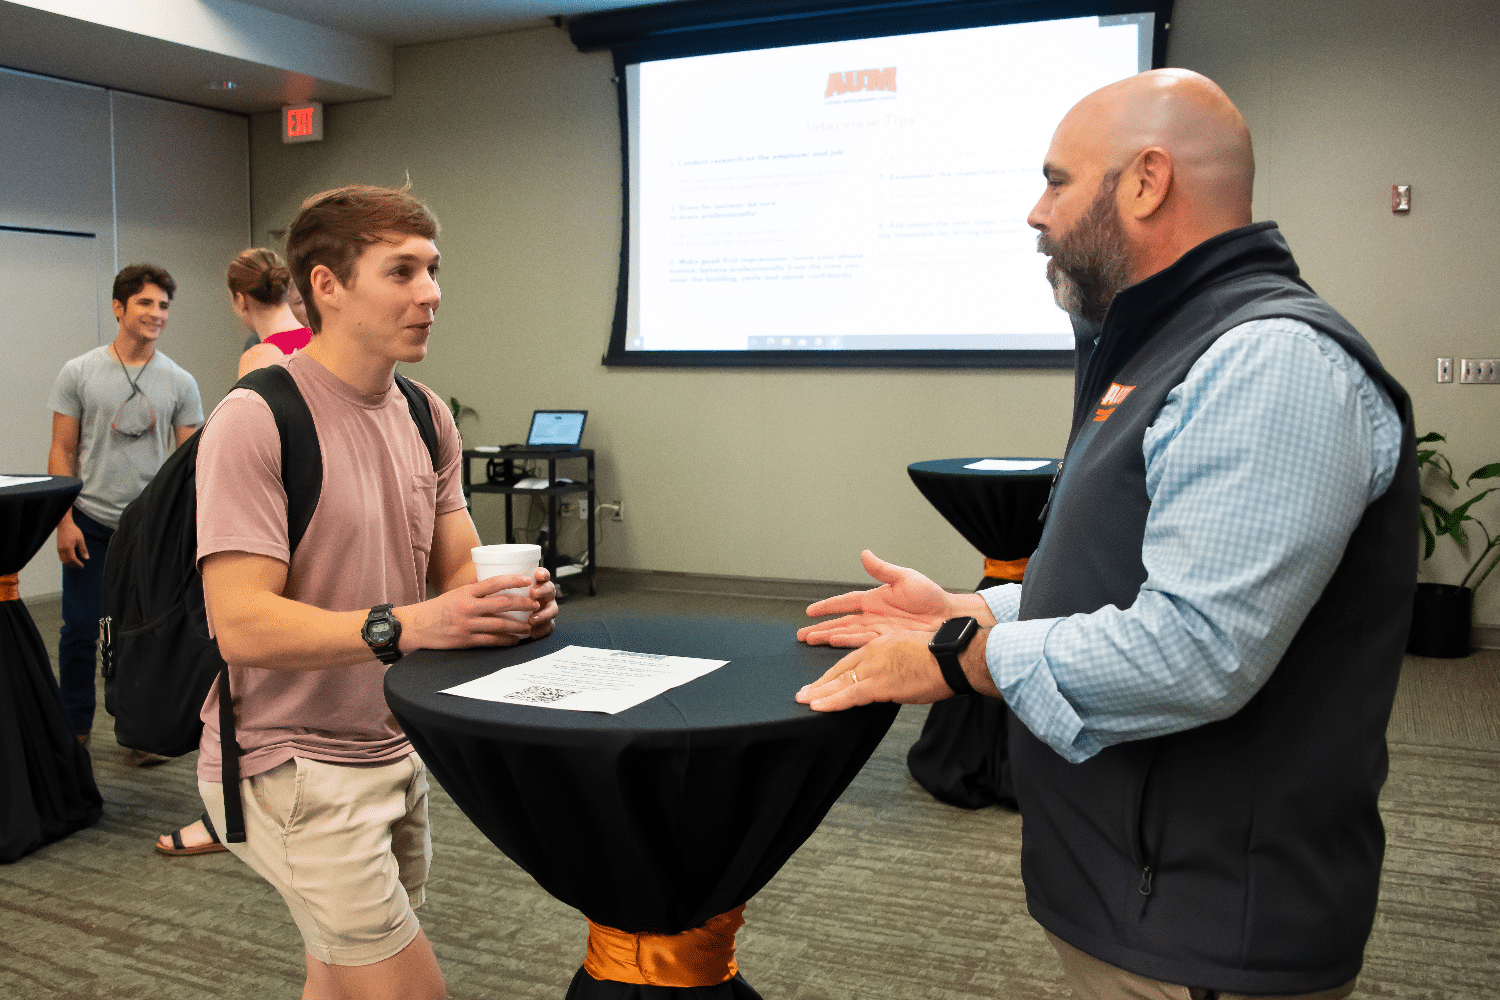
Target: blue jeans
82, 605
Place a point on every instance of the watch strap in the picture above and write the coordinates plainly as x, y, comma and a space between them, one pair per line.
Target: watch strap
953, 673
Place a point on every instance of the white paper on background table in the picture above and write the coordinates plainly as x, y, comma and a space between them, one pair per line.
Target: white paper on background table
1007, 464
20, 480
584, 679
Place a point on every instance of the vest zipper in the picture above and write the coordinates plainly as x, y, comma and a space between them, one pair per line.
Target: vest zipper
1146, 885
1051, 492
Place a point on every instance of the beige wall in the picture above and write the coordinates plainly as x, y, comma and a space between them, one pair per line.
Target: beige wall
150, 180
514, 141
1343, 100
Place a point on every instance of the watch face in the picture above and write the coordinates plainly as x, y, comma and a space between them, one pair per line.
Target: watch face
380, 632
951, 631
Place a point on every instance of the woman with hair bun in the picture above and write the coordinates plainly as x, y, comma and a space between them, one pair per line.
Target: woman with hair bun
263, 297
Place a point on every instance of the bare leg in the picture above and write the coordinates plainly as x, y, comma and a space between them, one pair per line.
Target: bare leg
410, 974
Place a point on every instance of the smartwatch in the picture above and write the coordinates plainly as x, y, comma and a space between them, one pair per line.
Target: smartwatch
952, 639
381, 631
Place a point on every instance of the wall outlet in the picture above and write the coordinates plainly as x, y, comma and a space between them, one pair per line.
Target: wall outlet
1479, 371
619, 511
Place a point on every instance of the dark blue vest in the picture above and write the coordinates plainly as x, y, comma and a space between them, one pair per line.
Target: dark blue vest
1243, 855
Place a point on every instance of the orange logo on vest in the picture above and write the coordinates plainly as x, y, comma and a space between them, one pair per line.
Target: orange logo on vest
854, 81
1113, 397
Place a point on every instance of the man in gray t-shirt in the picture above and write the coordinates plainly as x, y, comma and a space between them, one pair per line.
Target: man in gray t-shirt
117, 412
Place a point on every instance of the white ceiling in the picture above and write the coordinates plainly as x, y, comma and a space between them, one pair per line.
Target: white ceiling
177, 48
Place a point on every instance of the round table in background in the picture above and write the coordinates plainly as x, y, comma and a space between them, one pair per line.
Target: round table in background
960, 757
47, 788
665, 816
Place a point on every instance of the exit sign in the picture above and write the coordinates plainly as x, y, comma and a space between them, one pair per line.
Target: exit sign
302, 122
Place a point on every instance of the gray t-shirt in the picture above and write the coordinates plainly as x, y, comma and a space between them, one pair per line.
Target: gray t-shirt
114, 467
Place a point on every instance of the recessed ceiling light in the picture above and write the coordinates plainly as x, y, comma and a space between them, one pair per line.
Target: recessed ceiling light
221, 85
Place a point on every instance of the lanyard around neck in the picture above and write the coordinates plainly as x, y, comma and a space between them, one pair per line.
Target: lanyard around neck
134, 382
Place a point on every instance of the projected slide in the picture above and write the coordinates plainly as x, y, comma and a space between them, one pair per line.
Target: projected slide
857, 195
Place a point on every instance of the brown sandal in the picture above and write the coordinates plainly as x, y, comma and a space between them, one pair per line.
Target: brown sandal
178, 850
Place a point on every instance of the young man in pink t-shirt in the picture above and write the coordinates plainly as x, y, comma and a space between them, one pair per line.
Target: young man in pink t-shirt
335, 798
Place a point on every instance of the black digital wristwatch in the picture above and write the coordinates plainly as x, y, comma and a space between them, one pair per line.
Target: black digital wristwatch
952, 639
381, 632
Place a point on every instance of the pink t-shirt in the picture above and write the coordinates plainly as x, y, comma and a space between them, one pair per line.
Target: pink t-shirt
368, 543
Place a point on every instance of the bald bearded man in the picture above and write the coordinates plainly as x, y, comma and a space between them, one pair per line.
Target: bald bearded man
1200, 663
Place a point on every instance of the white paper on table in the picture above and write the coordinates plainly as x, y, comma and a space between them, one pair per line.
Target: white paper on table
584, 679
1008, 464
20, 480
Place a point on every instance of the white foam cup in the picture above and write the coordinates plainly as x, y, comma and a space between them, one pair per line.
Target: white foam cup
508, 560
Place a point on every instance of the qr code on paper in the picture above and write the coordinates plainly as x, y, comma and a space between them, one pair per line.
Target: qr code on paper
537, 695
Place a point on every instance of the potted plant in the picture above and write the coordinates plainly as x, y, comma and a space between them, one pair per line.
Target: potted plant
1442, 616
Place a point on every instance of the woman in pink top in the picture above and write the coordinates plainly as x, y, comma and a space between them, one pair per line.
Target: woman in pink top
263, 297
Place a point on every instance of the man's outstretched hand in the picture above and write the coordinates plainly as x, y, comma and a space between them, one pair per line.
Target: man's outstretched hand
906, 600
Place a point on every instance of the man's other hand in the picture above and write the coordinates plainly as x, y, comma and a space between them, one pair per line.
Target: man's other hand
905, 600
896, 666
70, 545
544, 593
474, 614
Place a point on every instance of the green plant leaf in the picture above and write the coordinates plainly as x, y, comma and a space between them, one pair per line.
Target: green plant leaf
1488, 472
1461, 512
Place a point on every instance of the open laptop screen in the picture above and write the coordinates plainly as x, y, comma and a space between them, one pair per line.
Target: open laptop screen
556, 428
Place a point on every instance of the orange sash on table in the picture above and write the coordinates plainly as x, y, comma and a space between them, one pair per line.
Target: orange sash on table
10, 587
1001, 569
703, 956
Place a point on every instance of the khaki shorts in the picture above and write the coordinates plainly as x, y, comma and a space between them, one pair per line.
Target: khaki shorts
1089, 977
347, 846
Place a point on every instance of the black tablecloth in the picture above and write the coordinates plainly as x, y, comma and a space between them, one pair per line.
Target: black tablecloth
960, 757
660, 817
996, 512
48, 788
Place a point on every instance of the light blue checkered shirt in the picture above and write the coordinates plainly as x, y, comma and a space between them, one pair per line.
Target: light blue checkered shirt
1259, 467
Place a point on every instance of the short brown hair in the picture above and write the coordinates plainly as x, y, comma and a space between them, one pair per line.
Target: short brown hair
333, 228
260, 274
137, 276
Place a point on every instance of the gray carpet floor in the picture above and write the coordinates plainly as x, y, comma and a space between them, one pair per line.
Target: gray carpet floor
894, 896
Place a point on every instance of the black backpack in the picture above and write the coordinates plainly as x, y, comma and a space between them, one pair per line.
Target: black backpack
158, 659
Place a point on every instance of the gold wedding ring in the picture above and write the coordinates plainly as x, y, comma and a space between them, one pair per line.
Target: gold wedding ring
852, 678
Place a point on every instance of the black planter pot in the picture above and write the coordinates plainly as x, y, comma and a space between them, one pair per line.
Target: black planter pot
1440, 620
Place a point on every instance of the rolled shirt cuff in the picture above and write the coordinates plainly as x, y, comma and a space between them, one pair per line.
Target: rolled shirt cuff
1015, 655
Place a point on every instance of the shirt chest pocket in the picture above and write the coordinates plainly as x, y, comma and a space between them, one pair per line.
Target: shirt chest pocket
421, 505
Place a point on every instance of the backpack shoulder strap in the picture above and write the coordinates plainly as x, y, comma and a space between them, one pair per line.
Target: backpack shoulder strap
421, 412
302, 478
301, 456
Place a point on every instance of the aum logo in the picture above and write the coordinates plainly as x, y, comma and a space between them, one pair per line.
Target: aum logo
1113, 397
856, 80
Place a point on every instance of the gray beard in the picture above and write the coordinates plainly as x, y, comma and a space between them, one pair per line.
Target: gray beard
1090, 264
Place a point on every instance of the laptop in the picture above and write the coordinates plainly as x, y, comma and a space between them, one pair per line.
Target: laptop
555, 430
